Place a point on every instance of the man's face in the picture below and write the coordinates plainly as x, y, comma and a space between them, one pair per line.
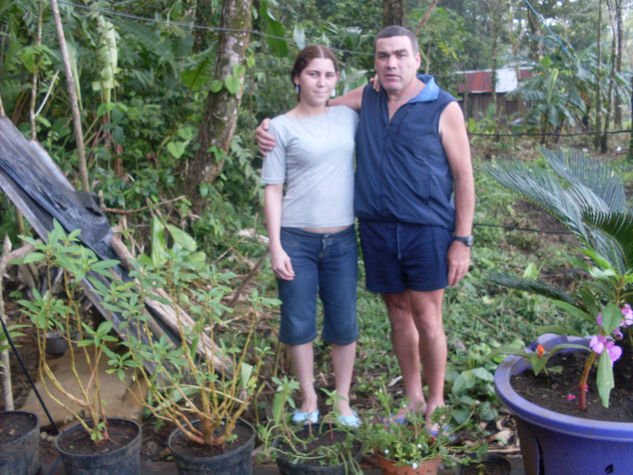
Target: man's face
395, 62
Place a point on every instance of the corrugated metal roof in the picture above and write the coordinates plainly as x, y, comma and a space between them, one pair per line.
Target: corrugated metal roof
480, 81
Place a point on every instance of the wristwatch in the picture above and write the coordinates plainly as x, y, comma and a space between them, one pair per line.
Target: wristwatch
468, 240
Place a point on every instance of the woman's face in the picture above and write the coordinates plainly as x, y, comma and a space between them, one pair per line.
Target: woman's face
317, 81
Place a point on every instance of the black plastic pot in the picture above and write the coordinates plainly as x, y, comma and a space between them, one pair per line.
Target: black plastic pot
56, 344
235, 462
19, 452
124, 460
491, 463
287, 467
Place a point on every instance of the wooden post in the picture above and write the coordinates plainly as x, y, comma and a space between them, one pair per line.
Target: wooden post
72, 94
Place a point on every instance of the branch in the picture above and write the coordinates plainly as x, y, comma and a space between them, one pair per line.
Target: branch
426, 16
72, 93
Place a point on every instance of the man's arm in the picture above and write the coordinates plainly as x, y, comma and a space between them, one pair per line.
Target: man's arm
266, 142
457, 149
352, 99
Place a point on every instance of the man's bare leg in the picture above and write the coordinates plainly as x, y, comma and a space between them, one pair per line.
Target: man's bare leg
406, 344
427, 314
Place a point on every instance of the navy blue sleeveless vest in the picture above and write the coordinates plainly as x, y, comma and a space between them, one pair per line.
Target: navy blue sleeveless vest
402, 173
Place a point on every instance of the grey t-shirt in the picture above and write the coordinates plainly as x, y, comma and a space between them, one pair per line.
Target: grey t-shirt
314, 156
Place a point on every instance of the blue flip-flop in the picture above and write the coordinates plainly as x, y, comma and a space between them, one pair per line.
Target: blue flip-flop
447, 430
352, 421
394, 420
305, 417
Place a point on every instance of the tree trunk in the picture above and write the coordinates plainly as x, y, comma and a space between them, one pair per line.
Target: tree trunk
598, 122
617, 106
534, 26
394, 12
221, 110
72, 97
631, 112
610, 93
494, 33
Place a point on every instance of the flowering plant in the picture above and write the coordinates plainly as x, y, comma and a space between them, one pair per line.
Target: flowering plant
411, 443
588, 198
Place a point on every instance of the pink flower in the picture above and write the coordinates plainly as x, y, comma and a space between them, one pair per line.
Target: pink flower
599, 319
571, 397
628, 315
614, 351
597, 343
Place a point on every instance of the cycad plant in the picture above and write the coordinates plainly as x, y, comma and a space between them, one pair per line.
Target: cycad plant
588, 198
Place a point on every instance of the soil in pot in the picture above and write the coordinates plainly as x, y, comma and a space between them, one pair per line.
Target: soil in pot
559, 391
119, 454
19, 443
323, 438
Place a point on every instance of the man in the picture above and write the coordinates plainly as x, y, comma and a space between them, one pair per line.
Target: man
412, 158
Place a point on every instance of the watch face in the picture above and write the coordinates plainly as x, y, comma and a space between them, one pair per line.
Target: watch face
468, 240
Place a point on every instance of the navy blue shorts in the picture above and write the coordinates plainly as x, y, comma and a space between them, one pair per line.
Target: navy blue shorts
323, 263
400, 256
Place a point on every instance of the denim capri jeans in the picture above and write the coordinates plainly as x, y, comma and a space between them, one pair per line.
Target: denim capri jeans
323, 263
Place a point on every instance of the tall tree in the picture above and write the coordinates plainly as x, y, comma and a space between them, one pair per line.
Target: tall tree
394, 12
617, 117
220, 115
598, 91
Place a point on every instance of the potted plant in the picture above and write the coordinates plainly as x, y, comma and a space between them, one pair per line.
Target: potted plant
323, 448
95, 441
588, 198
19, 443
410, 448
200, 386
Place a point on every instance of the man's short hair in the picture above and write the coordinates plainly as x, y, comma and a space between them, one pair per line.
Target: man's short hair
395, 30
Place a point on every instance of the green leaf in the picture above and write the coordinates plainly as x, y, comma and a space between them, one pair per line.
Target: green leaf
232, 84
275, 30
299, 36
216, 86
246, 373
159, 248
32, 257
483, 374
181, 238
199, 75
176, 149
604, 378
530, 272
611, 318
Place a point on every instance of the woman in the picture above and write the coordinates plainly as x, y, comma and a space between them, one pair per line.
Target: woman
311, 228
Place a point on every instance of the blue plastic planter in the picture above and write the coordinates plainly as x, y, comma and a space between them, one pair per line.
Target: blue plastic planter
558, 444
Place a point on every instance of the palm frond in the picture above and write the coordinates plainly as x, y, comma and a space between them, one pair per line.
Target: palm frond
535, 286
617, 229
581, 170
542, 189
